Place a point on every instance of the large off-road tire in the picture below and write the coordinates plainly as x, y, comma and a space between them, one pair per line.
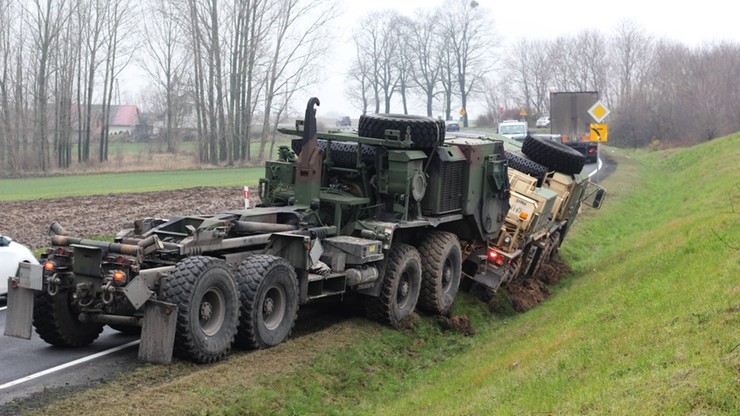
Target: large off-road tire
401, 286
522, 164
56, 321
206, 295
554, 155
545, 254
441, 265
268, 294
343, 154
426, 132
552, 247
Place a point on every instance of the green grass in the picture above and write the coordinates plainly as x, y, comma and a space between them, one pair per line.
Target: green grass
648, 323
101, 184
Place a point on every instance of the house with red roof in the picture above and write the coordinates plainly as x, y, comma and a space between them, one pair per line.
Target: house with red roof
124, 121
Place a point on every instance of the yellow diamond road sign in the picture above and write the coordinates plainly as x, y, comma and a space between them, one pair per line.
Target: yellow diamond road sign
599, 111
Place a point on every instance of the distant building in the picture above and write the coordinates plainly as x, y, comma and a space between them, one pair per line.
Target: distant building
124, 121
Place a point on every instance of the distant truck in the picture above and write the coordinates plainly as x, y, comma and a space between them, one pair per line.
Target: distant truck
513, 129
344, 121
570, 121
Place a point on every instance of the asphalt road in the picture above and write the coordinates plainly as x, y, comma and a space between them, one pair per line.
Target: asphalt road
32, 367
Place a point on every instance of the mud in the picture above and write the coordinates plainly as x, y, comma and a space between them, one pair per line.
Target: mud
458, 323
93, 216
551, 273
525, 294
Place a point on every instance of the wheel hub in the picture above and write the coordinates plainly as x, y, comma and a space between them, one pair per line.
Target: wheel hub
206, 310
268, 307
403, 289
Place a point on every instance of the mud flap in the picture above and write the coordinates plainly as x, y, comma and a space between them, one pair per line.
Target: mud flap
158, 332
19, 319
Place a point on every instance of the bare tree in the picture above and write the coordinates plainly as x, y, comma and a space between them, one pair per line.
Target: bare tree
358, 82
165, 61
471, 39
631, 57
530, 70
426, 50
49, 17
118, 22
300, 43
447, 78
93, 13
404, 60
378, 40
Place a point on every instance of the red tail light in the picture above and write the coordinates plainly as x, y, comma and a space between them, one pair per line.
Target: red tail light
496, 258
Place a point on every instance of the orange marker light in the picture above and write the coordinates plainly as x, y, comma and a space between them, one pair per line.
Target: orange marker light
49, 266
523, 215
119, 276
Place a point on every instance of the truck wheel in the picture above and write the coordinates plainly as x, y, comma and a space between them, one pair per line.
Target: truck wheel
268, 293
441, 265
426, 132
57, 324
514, 270
522, 164
554, 155
545, 254
401, 286
208, 308
552, 247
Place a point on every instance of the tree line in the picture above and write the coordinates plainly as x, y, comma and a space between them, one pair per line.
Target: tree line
659, 91
230, 68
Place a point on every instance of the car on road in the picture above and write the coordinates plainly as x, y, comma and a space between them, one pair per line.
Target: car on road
12, 253
513, 129
543, 121
452, 125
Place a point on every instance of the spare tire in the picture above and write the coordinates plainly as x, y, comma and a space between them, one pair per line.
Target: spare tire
522, 164
426, 132
554, 155
343, 154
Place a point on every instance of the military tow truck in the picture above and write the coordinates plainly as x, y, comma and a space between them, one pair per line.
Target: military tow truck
394, 213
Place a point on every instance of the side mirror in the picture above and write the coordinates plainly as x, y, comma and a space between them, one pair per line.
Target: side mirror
598, 198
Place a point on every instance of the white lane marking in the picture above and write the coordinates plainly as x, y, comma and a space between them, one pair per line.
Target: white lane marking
67, 365
3, 308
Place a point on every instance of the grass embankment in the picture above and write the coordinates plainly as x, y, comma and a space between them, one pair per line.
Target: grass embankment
101, 184
646, 324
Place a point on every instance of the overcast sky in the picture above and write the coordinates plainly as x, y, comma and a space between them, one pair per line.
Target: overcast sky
705, 21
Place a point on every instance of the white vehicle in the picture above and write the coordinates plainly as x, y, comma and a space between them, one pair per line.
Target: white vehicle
513, 129
12, 253
543, 121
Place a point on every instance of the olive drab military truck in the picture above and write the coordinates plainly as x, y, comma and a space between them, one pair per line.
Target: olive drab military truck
393, 213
